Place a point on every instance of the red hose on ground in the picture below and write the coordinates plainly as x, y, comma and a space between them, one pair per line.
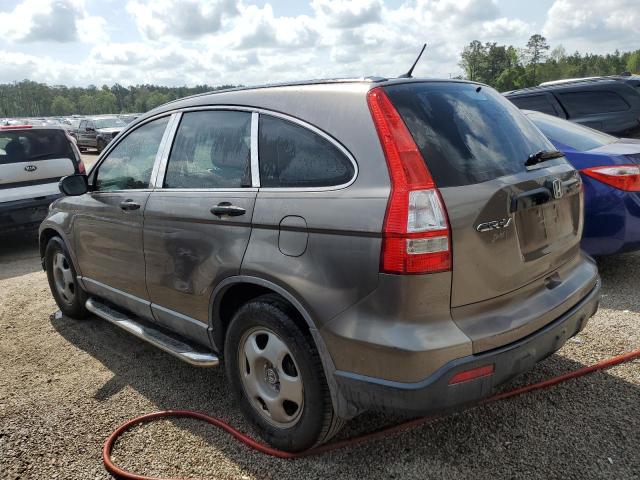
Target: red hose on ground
251, 443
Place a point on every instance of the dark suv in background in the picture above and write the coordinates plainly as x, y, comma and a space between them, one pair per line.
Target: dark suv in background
97, 132
611, 105
395, 245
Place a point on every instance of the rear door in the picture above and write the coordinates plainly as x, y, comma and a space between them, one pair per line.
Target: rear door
510, 224
198, 221
32, 161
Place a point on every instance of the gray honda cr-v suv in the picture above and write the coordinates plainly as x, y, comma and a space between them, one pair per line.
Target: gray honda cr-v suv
397, 245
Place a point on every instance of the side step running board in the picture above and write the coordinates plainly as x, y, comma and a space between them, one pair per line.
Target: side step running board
163, 341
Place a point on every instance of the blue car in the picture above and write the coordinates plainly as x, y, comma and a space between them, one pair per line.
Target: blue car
610, 169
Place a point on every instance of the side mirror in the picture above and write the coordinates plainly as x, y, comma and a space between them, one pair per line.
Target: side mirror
74, 185
90, 129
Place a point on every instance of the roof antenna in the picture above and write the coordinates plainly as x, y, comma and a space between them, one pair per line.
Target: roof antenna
408, 74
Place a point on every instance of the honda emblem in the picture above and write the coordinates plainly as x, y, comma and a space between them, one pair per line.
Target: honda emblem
558, 190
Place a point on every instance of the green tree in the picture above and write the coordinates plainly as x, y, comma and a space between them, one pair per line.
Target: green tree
473, 60
86, 104
633, 62
156, 99
106, 102
62, 106
535, 52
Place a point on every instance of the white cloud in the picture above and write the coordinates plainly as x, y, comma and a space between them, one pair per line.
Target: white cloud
259, 28
231, 41
60, 21
180, 18
348, 14
602, 23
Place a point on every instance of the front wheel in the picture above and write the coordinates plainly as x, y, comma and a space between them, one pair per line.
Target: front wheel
276, 373
100, 145
63, 280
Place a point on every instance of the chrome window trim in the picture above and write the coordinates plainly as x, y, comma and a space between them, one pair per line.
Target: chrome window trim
255, 166
157, 174
165, 160
289, 118
205, 190
106, 192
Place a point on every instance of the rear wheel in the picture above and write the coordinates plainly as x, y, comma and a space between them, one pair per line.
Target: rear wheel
276, 373
62, 280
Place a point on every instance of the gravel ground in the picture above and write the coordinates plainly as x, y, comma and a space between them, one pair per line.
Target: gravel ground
66, 384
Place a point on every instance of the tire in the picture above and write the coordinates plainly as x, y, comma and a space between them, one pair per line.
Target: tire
261, 327
100, 145
62, 280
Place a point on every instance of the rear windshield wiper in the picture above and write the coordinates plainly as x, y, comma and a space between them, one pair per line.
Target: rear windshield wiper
542, 156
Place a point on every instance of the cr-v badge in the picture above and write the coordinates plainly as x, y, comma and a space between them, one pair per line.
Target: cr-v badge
494, 225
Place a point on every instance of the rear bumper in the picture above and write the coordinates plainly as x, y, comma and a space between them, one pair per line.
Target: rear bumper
24, 213
434, 393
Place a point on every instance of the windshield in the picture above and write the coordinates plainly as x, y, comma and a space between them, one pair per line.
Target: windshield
109, 123
572, 135
467, 133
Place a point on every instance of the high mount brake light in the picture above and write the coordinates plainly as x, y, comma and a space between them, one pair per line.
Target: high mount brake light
622, 177
416, 236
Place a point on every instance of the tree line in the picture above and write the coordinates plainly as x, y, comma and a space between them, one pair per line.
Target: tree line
506, 67
32, 99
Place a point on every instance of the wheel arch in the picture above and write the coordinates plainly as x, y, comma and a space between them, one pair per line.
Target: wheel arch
233, 292
258, 286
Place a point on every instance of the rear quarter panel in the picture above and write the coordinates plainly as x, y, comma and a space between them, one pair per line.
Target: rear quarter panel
340, 263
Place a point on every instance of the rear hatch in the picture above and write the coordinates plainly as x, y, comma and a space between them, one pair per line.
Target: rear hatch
32, 161
510, 224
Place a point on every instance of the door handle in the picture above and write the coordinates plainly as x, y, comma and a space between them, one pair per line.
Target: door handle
129, 205
225, 208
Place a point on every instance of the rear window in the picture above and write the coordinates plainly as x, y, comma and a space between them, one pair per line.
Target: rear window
539, 103
18, 146
292, 156
467, 133
570, 134
592, 103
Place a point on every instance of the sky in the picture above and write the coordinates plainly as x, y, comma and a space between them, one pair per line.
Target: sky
214, 42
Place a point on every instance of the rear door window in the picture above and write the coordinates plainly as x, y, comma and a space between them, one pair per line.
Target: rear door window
293, 156
212, 149
467, 133
539, 103
18, 146
592, 103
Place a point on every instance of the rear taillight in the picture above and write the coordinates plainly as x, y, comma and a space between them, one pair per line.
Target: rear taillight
81, 168
622, 177
416, 235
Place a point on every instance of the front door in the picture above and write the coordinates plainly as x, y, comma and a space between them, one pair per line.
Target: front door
109, 223
197, 225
